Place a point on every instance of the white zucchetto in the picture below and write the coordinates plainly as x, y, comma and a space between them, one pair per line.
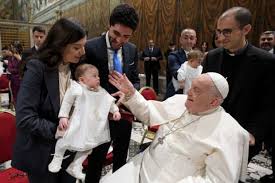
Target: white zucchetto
220, 82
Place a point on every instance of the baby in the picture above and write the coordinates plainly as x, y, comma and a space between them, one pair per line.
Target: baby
189, 70
87, 126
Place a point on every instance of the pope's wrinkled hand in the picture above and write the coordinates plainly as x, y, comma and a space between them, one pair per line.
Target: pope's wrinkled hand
122, 83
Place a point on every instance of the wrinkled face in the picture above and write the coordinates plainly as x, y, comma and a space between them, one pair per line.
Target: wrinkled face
230, 34
91, 78
199, 97
188, 39
72, 52
38, 38
118, 35
267, 41
194, 63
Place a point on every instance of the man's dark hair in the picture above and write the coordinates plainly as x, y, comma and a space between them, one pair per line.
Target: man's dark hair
172, 43
126, 15
268, 32
38, 29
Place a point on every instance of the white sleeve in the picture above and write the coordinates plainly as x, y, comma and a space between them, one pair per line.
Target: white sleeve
181, 73
114, 108
224, 164
154, 112
69, 98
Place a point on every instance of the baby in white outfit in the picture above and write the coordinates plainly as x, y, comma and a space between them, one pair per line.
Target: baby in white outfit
83, 123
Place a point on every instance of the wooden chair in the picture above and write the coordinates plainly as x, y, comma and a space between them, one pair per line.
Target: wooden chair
7, 138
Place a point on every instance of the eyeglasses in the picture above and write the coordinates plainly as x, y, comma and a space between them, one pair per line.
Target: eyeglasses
224, 32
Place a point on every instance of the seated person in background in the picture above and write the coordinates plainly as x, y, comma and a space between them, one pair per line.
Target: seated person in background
197, 142
188, 71
88, 125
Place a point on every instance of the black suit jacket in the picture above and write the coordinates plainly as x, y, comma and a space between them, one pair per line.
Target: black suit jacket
175, 59
251, 95
26, 55
37, 109
97, 54
155, 53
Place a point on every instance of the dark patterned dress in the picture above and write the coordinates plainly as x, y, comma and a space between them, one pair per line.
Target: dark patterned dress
13, 69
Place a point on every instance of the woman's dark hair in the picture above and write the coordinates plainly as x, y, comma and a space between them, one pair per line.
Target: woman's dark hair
62, 33
207, 45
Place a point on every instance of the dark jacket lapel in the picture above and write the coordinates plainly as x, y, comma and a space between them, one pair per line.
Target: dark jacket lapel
52, 85
126, 57
103, 53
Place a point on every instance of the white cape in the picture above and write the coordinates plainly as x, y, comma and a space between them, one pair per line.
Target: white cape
212, 149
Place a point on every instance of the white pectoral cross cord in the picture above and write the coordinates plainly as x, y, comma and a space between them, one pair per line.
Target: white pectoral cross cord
160, 140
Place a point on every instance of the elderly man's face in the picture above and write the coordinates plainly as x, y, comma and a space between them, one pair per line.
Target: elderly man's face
267, 41
199, 96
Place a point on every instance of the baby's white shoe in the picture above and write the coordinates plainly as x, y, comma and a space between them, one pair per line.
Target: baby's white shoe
55, 165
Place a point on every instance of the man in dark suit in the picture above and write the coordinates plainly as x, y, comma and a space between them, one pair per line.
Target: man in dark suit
109, 52
188, 40
151, 56
38, 36
267, 41
249, 72
171, 48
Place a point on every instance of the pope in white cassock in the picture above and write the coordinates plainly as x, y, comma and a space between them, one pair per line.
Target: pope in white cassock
198, 142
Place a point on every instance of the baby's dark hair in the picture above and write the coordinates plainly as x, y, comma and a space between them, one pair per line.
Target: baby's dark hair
194, 54
82, 69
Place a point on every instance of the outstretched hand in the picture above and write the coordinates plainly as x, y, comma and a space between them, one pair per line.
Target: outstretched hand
122, 83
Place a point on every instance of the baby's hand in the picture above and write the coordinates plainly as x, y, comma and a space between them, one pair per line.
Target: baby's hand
181, 84
116, 116
63, 124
